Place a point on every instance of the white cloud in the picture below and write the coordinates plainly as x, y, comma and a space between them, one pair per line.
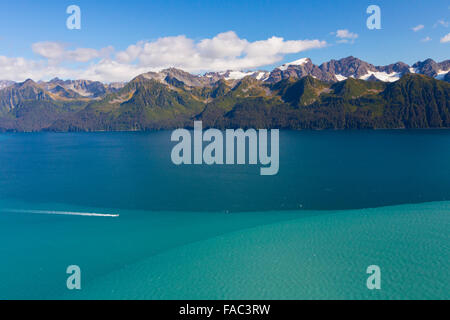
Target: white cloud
49, 50
223, 52
446, 38
426, 39
418, 28
442, 23
345, 34
57, 52
224, 45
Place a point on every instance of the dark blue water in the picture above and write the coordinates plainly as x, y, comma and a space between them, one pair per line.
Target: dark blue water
318, 170
174, 238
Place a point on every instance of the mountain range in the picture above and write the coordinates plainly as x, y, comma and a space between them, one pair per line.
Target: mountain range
339, 94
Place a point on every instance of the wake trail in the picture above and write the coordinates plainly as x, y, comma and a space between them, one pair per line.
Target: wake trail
67, 213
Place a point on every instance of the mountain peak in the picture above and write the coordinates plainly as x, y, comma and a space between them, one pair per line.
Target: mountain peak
427, 62
28, 83
298, 62
5, 83
55, 80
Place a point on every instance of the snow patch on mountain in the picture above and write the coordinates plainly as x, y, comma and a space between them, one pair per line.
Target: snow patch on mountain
299, 62
262, 76
441, 74
238, 75
383, 76
5, 84
81, 91
340, 77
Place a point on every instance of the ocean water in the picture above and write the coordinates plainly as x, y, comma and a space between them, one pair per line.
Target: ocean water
140, 227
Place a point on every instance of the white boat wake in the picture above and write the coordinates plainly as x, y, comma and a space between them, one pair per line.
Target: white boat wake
67, 213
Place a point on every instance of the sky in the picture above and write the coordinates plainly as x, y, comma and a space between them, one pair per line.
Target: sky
119, 40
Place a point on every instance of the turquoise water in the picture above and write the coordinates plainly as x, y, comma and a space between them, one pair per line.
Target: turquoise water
226, 232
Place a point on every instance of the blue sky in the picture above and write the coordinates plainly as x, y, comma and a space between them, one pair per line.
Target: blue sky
110, 27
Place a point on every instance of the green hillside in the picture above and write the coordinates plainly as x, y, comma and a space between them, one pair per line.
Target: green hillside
145, 103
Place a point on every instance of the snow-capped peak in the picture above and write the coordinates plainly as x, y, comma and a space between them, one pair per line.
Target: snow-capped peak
237, 75
294, 63
383, 76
